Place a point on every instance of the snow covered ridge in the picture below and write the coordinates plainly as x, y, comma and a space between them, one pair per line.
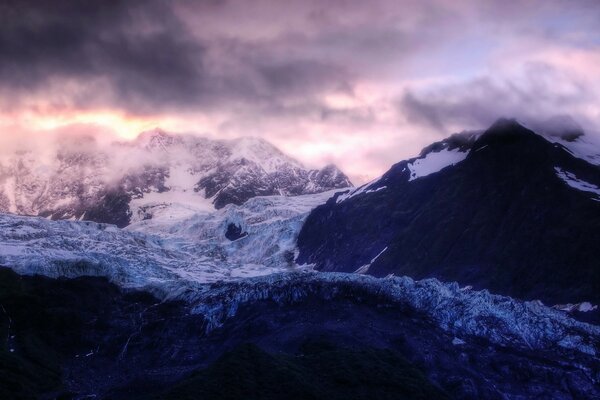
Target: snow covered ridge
168, 248
113, 183
457, 147
462, 312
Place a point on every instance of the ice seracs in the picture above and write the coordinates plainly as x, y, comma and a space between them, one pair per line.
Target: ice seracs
178, 242
499, 319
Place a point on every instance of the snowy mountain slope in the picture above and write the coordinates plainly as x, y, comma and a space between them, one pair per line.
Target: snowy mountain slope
114, 183
509, 211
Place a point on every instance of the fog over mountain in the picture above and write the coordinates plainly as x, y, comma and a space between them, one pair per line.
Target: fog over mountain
81, 177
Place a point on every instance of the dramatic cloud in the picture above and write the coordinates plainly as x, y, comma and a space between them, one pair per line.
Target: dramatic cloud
362, 84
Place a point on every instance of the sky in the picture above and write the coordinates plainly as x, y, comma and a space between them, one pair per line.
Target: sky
362, 84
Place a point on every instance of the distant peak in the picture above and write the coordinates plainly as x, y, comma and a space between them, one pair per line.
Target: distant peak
330, 167
156, 138
505, 124
461, 141
156, 132
507, 127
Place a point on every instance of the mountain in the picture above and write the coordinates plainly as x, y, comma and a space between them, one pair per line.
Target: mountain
188, 298
506, 209
118, 183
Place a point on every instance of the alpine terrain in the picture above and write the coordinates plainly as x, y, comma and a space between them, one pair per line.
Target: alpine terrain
505, 209
80, 179
467, 272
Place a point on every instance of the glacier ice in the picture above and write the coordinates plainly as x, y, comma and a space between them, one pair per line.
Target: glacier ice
189, 258
170, 246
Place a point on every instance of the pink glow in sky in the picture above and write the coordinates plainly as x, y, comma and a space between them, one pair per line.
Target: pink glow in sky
362, 84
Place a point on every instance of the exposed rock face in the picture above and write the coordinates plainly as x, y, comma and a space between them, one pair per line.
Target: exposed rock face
505, 210
84, 180
234, 232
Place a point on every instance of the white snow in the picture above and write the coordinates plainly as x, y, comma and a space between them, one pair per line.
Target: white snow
434, 162
582, 307
366, 188
462, 314
363, 270
262, 153
377, 256
182, 178
457, 342
576, 183
9, 191
170, 207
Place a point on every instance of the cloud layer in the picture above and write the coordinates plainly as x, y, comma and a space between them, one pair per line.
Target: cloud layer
362, 84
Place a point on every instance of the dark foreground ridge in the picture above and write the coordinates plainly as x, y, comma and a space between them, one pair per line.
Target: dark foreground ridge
504, 218
86, 337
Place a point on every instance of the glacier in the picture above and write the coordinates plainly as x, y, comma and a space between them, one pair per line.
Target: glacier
190, 259
171, 246
462, 312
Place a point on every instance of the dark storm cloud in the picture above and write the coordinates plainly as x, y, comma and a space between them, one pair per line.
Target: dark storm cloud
141, 56
539, 94
137, 47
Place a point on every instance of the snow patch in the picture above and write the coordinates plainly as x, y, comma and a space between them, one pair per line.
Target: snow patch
581, 307
377, 256
366, 188
363, 270
261, 152
576, 183
435, 162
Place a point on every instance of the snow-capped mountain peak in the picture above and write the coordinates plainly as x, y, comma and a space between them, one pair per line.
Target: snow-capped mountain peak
261, 152
126, 180
156, 139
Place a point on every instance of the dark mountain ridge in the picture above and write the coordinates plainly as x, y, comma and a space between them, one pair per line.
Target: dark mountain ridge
520, 216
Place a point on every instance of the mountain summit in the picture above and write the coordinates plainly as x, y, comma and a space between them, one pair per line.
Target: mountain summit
506, 209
